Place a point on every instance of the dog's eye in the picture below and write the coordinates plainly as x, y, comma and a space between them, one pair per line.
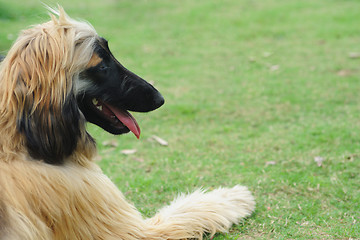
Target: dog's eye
103, 67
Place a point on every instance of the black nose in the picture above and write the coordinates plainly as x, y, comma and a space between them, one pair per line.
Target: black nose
143, 98
158, 100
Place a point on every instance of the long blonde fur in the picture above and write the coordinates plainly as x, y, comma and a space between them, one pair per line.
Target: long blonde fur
75, 200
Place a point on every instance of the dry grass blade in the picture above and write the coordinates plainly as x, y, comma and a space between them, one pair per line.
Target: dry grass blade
159, 140
128, 151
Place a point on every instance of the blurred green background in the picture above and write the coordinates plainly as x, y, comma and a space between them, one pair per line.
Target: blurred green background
259, 93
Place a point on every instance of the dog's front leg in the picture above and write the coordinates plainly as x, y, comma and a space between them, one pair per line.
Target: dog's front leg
190, 216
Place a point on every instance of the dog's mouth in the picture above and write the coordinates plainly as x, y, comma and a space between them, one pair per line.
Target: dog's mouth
109, 117
118, 118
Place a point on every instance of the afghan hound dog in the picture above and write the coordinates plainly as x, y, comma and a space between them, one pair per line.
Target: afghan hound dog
56, 77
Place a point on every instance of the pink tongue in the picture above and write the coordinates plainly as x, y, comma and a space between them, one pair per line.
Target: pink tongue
127, 119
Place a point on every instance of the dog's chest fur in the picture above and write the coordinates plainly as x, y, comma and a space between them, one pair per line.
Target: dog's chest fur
81, 202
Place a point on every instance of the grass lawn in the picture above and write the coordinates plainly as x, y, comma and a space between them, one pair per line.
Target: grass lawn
255, 91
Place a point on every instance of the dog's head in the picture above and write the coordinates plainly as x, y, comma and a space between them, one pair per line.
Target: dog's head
106, 90
60, 74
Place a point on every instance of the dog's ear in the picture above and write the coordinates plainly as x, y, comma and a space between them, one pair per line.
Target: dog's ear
48, 115
51, 132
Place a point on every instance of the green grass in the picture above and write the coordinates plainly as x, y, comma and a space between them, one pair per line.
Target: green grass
254, 90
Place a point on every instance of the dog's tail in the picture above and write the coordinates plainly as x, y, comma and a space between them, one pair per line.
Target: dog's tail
190, 216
